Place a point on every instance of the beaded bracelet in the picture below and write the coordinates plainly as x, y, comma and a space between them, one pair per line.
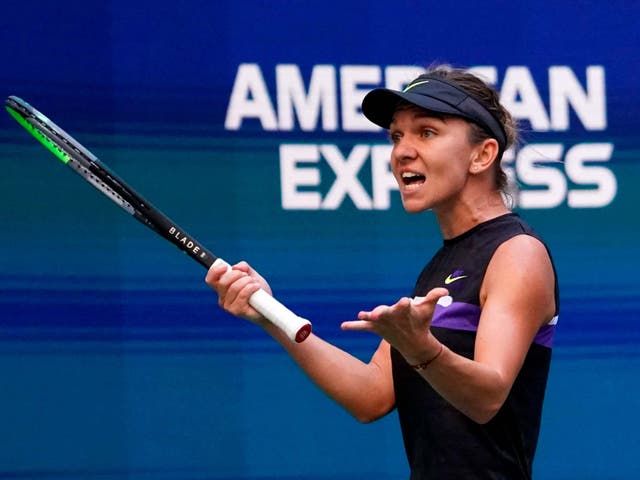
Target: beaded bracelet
423, 365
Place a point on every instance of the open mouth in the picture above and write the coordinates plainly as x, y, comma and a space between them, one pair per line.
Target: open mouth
412, 180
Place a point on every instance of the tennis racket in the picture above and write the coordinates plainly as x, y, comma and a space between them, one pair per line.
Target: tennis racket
85, 164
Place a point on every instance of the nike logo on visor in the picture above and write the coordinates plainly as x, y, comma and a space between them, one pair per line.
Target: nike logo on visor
414, 85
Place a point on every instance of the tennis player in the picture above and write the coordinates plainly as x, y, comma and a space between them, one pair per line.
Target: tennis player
465, 360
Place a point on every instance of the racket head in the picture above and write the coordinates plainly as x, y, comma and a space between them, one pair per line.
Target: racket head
56, 140
23, 113
70, 152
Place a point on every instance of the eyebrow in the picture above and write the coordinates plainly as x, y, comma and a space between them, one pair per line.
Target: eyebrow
422, 113
429, 114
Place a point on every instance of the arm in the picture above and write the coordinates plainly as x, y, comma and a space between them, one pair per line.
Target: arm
363, 389
517, 298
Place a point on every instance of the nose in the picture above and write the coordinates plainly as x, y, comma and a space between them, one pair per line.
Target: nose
403, 150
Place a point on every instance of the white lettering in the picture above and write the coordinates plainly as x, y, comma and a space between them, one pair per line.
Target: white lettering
292, 176
545, 179
580, 173
346, 182
589, 104
382, 177
537, 168
520, 96
250, 99
321, 95
531, 173
351, 76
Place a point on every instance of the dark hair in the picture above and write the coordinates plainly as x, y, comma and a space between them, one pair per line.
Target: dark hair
489, 98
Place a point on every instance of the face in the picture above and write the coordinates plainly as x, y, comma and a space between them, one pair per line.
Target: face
430, 158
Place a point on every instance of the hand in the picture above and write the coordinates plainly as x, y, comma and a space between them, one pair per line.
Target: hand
405, 325
234, 286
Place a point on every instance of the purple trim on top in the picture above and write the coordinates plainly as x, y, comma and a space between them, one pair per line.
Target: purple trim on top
545, 336
465, 316
457, 316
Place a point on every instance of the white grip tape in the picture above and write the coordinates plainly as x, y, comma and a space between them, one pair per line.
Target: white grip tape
295, 327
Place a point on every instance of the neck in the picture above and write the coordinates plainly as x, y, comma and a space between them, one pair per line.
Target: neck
463, 215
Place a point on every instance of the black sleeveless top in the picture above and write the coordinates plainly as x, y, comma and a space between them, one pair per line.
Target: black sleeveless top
440, 441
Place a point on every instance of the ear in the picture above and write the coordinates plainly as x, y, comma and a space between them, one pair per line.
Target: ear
484, 155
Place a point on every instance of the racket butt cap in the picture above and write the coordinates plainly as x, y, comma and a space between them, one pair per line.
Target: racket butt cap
303, 333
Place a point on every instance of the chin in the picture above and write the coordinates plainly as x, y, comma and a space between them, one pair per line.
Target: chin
413, 206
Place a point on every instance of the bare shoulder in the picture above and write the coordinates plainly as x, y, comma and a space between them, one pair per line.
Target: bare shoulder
522, 254
521, 267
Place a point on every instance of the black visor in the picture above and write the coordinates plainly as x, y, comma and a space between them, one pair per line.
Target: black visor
432, 94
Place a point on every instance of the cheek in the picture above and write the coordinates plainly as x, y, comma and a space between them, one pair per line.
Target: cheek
458, 161
450, 177
395, 167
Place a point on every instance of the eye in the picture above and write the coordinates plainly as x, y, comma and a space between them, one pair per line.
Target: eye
395, 137
428, 132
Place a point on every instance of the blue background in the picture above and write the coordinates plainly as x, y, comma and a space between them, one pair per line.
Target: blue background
115, 361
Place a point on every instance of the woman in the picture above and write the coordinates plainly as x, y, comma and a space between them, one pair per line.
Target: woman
465, 361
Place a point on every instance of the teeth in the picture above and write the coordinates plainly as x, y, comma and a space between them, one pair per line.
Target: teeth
412, 180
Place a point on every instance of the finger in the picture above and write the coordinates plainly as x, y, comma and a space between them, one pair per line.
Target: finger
243, 267
403, 303
237, 302
245, 292
214, 273
234, 292
380, 312
436, 293
431, 297
358, 325
224, 283
229, 277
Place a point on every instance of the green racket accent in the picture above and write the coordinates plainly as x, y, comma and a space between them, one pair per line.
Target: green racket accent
52, 147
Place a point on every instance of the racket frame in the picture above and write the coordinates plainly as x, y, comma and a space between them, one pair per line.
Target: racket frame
84, 163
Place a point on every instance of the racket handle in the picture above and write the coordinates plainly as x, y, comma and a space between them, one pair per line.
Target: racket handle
295, 327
